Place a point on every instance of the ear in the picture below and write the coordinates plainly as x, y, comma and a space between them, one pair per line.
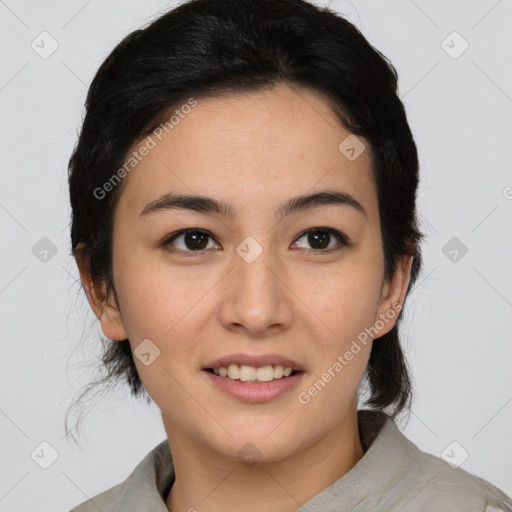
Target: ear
393, 296
105, 308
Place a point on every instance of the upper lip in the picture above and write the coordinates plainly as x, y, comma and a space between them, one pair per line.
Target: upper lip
255, 360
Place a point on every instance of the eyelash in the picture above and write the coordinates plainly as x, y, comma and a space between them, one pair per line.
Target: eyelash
342, 238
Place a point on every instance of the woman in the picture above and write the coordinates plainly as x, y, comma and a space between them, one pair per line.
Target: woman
244, 222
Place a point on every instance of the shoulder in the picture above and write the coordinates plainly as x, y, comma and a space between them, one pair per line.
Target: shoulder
405, 478
432, 484
103, 501
142, 490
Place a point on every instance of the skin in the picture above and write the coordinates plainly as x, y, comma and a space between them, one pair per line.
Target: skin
254, 151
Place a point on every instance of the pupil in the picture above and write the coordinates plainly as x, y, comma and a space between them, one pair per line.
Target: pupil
191, 240
324, 237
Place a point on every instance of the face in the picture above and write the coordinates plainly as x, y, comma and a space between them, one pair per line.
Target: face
298, 283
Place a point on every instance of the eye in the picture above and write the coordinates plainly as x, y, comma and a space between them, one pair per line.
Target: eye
192, 240
320, 238
197, 240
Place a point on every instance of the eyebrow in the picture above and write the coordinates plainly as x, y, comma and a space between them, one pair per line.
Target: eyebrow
204, 204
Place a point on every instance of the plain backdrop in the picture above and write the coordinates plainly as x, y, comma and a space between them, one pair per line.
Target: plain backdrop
457, 323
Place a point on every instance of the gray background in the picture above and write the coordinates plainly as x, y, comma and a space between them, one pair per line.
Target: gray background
457, 321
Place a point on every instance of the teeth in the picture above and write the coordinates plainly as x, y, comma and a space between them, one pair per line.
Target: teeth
233, 371
251, 373
265, 373
278, 371
246, 373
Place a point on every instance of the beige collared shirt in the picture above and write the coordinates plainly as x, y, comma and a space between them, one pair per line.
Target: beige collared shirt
394, 475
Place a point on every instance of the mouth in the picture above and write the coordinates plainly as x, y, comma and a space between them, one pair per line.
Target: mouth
254, 377
253, 384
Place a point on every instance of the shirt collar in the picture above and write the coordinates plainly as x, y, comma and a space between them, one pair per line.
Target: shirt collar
386, 449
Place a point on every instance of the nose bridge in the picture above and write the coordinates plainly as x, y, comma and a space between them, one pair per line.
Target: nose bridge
253, 261
257, 297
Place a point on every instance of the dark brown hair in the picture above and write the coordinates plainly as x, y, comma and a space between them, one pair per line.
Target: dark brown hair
203, 48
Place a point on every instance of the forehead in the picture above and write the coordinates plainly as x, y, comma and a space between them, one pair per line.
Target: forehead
255, 147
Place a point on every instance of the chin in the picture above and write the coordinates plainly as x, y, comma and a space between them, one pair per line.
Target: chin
262, 443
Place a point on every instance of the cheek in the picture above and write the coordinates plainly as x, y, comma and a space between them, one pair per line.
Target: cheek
157, 299
344, 298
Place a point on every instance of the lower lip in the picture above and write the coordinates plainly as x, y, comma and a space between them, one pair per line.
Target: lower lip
255, 391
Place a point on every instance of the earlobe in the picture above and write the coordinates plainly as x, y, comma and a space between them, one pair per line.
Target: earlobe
107, 313
112, 323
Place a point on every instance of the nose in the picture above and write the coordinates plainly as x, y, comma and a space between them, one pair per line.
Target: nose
256, 298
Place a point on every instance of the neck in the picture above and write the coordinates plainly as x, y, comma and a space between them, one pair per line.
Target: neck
205, 479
